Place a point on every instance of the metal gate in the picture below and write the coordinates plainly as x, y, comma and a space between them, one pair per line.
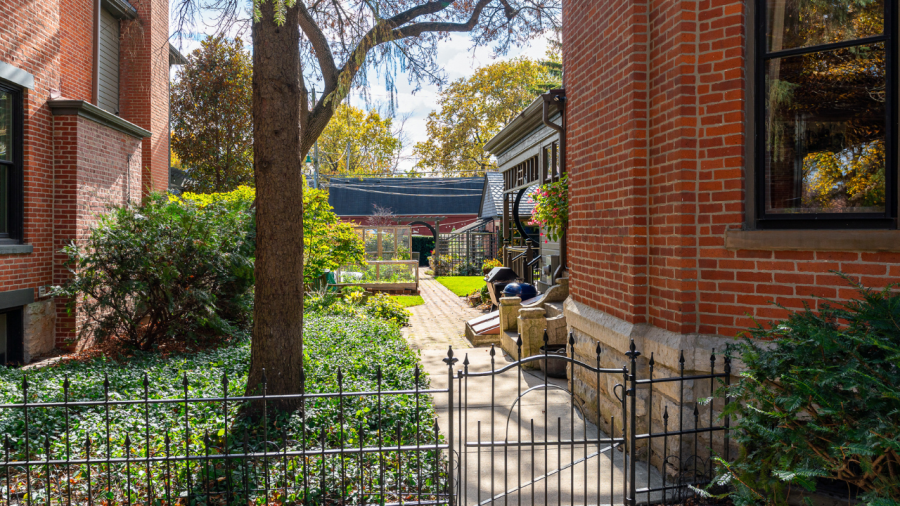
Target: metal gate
540, 448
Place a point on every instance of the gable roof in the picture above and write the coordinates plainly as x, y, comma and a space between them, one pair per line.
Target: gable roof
492, 198
406, 196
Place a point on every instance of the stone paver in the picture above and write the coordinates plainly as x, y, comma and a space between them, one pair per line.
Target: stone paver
441, 321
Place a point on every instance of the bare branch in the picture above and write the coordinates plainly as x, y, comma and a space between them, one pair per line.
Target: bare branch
320, 44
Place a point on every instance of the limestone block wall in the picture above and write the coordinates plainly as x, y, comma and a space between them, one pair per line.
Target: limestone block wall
679, 399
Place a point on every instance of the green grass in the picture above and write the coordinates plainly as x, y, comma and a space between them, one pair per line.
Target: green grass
461, 285
359, 346
409, 300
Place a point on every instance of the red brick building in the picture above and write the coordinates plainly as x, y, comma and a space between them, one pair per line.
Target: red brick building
83, 124
723, 155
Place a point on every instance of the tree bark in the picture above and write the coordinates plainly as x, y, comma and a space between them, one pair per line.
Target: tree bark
277, 346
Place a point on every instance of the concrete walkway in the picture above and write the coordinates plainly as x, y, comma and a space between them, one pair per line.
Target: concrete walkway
491, 405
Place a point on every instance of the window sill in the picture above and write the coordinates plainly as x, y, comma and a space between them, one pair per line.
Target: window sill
813, 240
16, 249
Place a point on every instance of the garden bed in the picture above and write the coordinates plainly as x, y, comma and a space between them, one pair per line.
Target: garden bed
358, 347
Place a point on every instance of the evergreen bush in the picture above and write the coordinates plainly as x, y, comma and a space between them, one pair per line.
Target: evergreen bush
820, 398
164, 270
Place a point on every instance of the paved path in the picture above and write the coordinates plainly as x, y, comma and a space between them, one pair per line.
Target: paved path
492, 407
441, 321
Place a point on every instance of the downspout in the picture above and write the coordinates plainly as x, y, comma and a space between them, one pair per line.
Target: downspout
558, 97
96, 68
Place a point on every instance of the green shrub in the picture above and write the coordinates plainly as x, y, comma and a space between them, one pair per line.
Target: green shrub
164, 270
485, 294
822, 399
383, 306
380, 306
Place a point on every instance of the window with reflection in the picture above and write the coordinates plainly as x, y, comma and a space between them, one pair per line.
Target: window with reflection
825, 99
10, 163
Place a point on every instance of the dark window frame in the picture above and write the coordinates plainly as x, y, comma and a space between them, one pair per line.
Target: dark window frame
759, 54
15, 337
16, 195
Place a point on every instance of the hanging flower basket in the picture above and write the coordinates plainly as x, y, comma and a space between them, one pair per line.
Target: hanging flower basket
551, 208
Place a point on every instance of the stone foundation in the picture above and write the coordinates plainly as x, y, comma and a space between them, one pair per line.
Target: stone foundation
590, 327
39, 327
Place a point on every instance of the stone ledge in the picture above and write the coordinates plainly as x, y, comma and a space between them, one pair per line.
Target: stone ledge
64, 107
16, 249
813, 240
666, 346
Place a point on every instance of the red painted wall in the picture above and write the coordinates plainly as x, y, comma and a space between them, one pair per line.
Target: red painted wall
655, 102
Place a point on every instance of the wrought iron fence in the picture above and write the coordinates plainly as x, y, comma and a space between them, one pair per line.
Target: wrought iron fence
148, 451
376, 461
562, 460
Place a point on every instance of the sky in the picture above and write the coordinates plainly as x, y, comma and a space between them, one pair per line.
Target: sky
458, 62
457, 59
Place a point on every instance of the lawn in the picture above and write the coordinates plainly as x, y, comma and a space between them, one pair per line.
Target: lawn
462, 285
409, 300
359, 346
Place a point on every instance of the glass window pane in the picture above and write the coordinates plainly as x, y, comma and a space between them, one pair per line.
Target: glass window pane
825, 132
6, 125
803, 23
4, 200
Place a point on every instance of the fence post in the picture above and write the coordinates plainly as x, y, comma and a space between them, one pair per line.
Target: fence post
449, 361
633, 354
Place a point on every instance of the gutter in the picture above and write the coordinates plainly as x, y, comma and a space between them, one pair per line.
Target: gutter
558, 97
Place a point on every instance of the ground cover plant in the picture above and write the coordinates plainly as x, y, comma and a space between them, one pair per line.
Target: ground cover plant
462, 285
820, 398
361, 349
351, 303
409, 300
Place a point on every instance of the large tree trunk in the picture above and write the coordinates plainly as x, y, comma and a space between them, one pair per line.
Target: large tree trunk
277, 346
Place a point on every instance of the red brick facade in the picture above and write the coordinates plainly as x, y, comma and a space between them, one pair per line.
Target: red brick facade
77, 159
656, 94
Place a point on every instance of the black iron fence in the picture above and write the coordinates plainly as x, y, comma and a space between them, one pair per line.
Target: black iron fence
159, 456
263, 461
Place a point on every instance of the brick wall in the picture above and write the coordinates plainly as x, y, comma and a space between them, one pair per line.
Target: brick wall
76, 29
73, 167
29, 40
92, 173
655, 103
144, 77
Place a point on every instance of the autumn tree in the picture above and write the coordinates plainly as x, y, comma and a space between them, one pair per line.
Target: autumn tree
211, 101
341, 43
373, 140
474, 109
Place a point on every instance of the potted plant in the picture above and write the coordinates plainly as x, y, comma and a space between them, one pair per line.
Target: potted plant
551, 208
490, 263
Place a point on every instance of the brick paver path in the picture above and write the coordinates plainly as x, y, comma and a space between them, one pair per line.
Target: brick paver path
441, 321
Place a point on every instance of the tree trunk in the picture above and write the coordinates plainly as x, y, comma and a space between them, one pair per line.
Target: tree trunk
277, 346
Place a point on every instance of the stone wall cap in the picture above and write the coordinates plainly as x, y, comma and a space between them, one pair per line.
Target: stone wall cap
510, 301
532, 312
87, 110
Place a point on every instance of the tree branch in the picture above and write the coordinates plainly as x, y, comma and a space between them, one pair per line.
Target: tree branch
320, 44
384, 31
